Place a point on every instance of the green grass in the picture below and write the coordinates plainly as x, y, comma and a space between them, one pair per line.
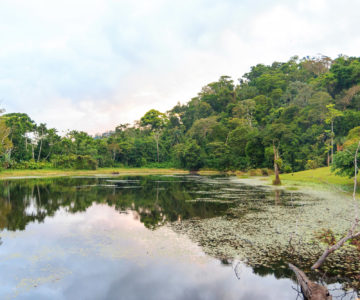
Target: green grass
6, 174
315, 177
320, 176
67, 172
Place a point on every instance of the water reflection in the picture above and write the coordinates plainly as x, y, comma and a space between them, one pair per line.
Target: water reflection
156, 199
112, 238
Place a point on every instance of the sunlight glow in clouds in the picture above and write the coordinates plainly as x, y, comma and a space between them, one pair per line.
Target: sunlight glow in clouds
91, 65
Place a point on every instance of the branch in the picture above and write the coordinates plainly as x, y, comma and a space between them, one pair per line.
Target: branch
351, 233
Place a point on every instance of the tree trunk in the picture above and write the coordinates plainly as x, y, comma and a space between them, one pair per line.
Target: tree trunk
157, 136
332, 141
328, 159
157, 150
277, 180
38, 159
32, 152
41, 141
310, 290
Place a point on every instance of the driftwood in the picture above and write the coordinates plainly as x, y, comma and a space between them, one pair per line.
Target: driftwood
310, 290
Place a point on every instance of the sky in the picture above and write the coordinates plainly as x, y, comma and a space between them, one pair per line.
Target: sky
94, 64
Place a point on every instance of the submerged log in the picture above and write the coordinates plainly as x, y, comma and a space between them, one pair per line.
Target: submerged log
310, 290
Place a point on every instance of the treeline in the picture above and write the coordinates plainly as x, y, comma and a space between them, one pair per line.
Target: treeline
302, 109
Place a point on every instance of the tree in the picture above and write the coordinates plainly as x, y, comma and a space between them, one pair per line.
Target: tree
203, 128
20, 126
114, 148
277, 164
349, 95
156, 121
5, 143
218, 94
189, 155
298, 93
41, 133
330, 117
245, 110
344, 160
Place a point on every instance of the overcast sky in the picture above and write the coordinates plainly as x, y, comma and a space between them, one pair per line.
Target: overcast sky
93, 64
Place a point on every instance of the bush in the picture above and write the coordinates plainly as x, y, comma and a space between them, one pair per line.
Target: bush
189, 155
287, 169
30, 165
159, 165
78, 162
104, 161
255, 172
311, 164
266, 172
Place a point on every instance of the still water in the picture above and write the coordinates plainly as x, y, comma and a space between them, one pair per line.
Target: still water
123, 238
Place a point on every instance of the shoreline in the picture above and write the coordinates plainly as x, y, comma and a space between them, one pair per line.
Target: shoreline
321, 179
49, 173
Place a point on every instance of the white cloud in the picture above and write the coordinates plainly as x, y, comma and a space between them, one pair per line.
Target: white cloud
90, 65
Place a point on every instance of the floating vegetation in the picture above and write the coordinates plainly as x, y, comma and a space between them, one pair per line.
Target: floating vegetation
129, 187
169, 181
260, 226
122, 181
211, 200
232, 189
228, 196
268, 234
211, 192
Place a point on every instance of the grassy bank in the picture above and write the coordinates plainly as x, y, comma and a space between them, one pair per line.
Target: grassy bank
8, 174
318, 177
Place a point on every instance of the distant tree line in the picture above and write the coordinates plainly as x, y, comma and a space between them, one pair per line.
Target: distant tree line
303, 108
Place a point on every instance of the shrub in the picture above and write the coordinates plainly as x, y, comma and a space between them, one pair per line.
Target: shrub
30, 165
265, 172
287, 169
78, 162
159, 165
255, 172
311, 164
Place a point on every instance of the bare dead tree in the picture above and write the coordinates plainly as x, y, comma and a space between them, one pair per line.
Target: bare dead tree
277, 180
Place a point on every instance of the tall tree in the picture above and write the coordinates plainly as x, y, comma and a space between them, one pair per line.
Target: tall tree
5, 143
156, 122
330, 117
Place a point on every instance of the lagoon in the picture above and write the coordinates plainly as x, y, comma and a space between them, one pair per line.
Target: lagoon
152, 237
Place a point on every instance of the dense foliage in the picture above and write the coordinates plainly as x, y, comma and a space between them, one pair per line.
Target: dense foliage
303, 107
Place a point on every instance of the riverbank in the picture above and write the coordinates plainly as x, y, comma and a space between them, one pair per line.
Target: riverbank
16, 174
319, 178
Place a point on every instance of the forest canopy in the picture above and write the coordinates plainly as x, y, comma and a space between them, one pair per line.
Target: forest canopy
307, 107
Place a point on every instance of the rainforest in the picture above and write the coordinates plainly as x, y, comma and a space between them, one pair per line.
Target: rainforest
307, 109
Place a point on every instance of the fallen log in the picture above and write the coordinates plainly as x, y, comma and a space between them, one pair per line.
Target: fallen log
310, 290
